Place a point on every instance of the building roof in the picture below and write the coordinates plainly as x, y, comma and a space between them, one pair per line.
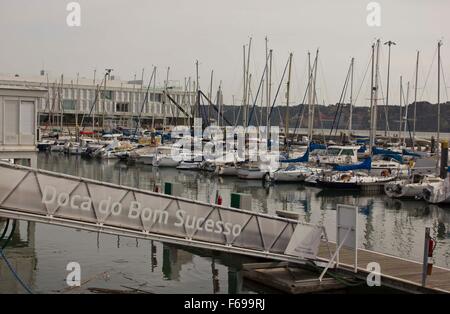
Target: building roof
22, 88
41, 80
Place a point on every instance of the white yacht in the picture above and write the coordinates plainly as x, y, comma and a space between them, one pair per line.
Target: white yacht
438, 193
163, 157
335, 155
292, 173
411, 188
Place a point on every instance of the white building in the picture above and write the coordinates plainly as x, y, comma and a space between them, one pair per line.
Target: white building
18, 116
117, 101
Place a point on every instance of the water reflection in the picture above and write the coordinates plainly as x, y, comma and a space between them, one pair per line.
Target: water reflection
22, 256
387, 225
40, 252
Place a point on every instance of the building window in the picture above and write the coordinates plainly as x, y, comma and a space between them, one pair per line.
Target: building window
27, 117
11, 125
108, 94
69, 104
122, 107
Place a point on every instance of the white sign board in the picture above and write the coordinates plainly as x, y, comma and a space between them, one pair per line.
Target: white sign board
346, 229
305, 241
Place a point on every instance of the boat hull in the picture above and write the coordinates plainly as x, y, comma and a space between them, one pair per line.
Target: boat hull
288, 177
227, 171
250, 174
338, 185
164, 162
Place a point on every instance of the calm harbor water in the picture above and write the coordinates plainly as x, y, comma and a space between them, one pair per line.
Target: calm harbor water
41, 252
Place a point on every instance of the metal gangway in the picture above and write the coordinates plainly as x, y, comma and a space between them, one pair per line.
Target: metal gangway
75, 202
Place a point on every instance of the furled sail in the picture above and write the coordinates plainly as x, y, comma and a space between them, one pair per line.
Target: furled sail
366, 164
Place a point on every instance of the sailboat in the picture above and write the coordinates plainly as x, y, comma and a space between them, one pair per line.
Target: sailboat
440, 192
346, 177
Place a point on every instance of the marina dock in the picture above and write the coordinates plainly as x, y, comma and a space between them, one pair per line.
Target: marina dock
399, 274
396, 272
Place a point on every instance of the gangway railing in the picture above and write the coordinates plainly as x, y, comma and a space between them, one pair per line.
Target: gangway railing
69, 201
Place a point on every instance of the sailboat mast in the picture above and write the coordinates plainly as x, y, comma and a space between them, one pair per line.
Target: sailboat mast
189, 100
400, 110
439, 94
154, 99
104, 101
309, 98
389, 43
248, 79
244, 116
351, 98
210, 95
197, 89
267, 82
415, 101
61, 102
314, 92
269, 92
286, 116
377, 72
406, 113
164, 100
371, 137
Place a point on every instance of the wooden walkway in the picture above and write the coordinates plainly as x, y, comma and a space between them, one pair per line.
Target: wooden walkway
290, 279
396, 272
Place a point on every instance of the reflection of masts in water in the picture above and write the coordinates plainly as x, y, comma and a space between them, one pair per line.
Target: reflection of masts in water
234, 280
368, 231
215, 276
21, 251
153, 259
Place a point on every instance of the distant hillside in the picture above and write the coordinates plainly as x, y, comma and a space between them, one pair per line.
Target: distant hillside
324, 115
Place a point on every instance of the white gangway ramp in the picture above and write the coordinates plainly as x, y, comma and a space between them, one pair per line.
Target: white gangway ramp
54, 198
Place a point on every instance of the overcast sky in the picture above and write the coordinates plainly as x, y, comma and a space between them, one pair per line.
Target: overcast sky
130, 35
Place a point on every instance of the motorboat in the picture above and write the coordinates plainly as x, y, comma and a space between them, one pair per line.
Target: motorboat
251, 171
163, 157
438, 193
45, 144
292, 173
143, 155
335, 155
190, 165
411, 188
58, 146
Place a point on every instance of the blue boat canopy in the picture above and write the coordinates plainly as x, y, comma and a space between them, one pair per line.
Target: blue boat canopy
366, 164
395, 156
381, 151
304, 158
362, 149
313, 146
410, 153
